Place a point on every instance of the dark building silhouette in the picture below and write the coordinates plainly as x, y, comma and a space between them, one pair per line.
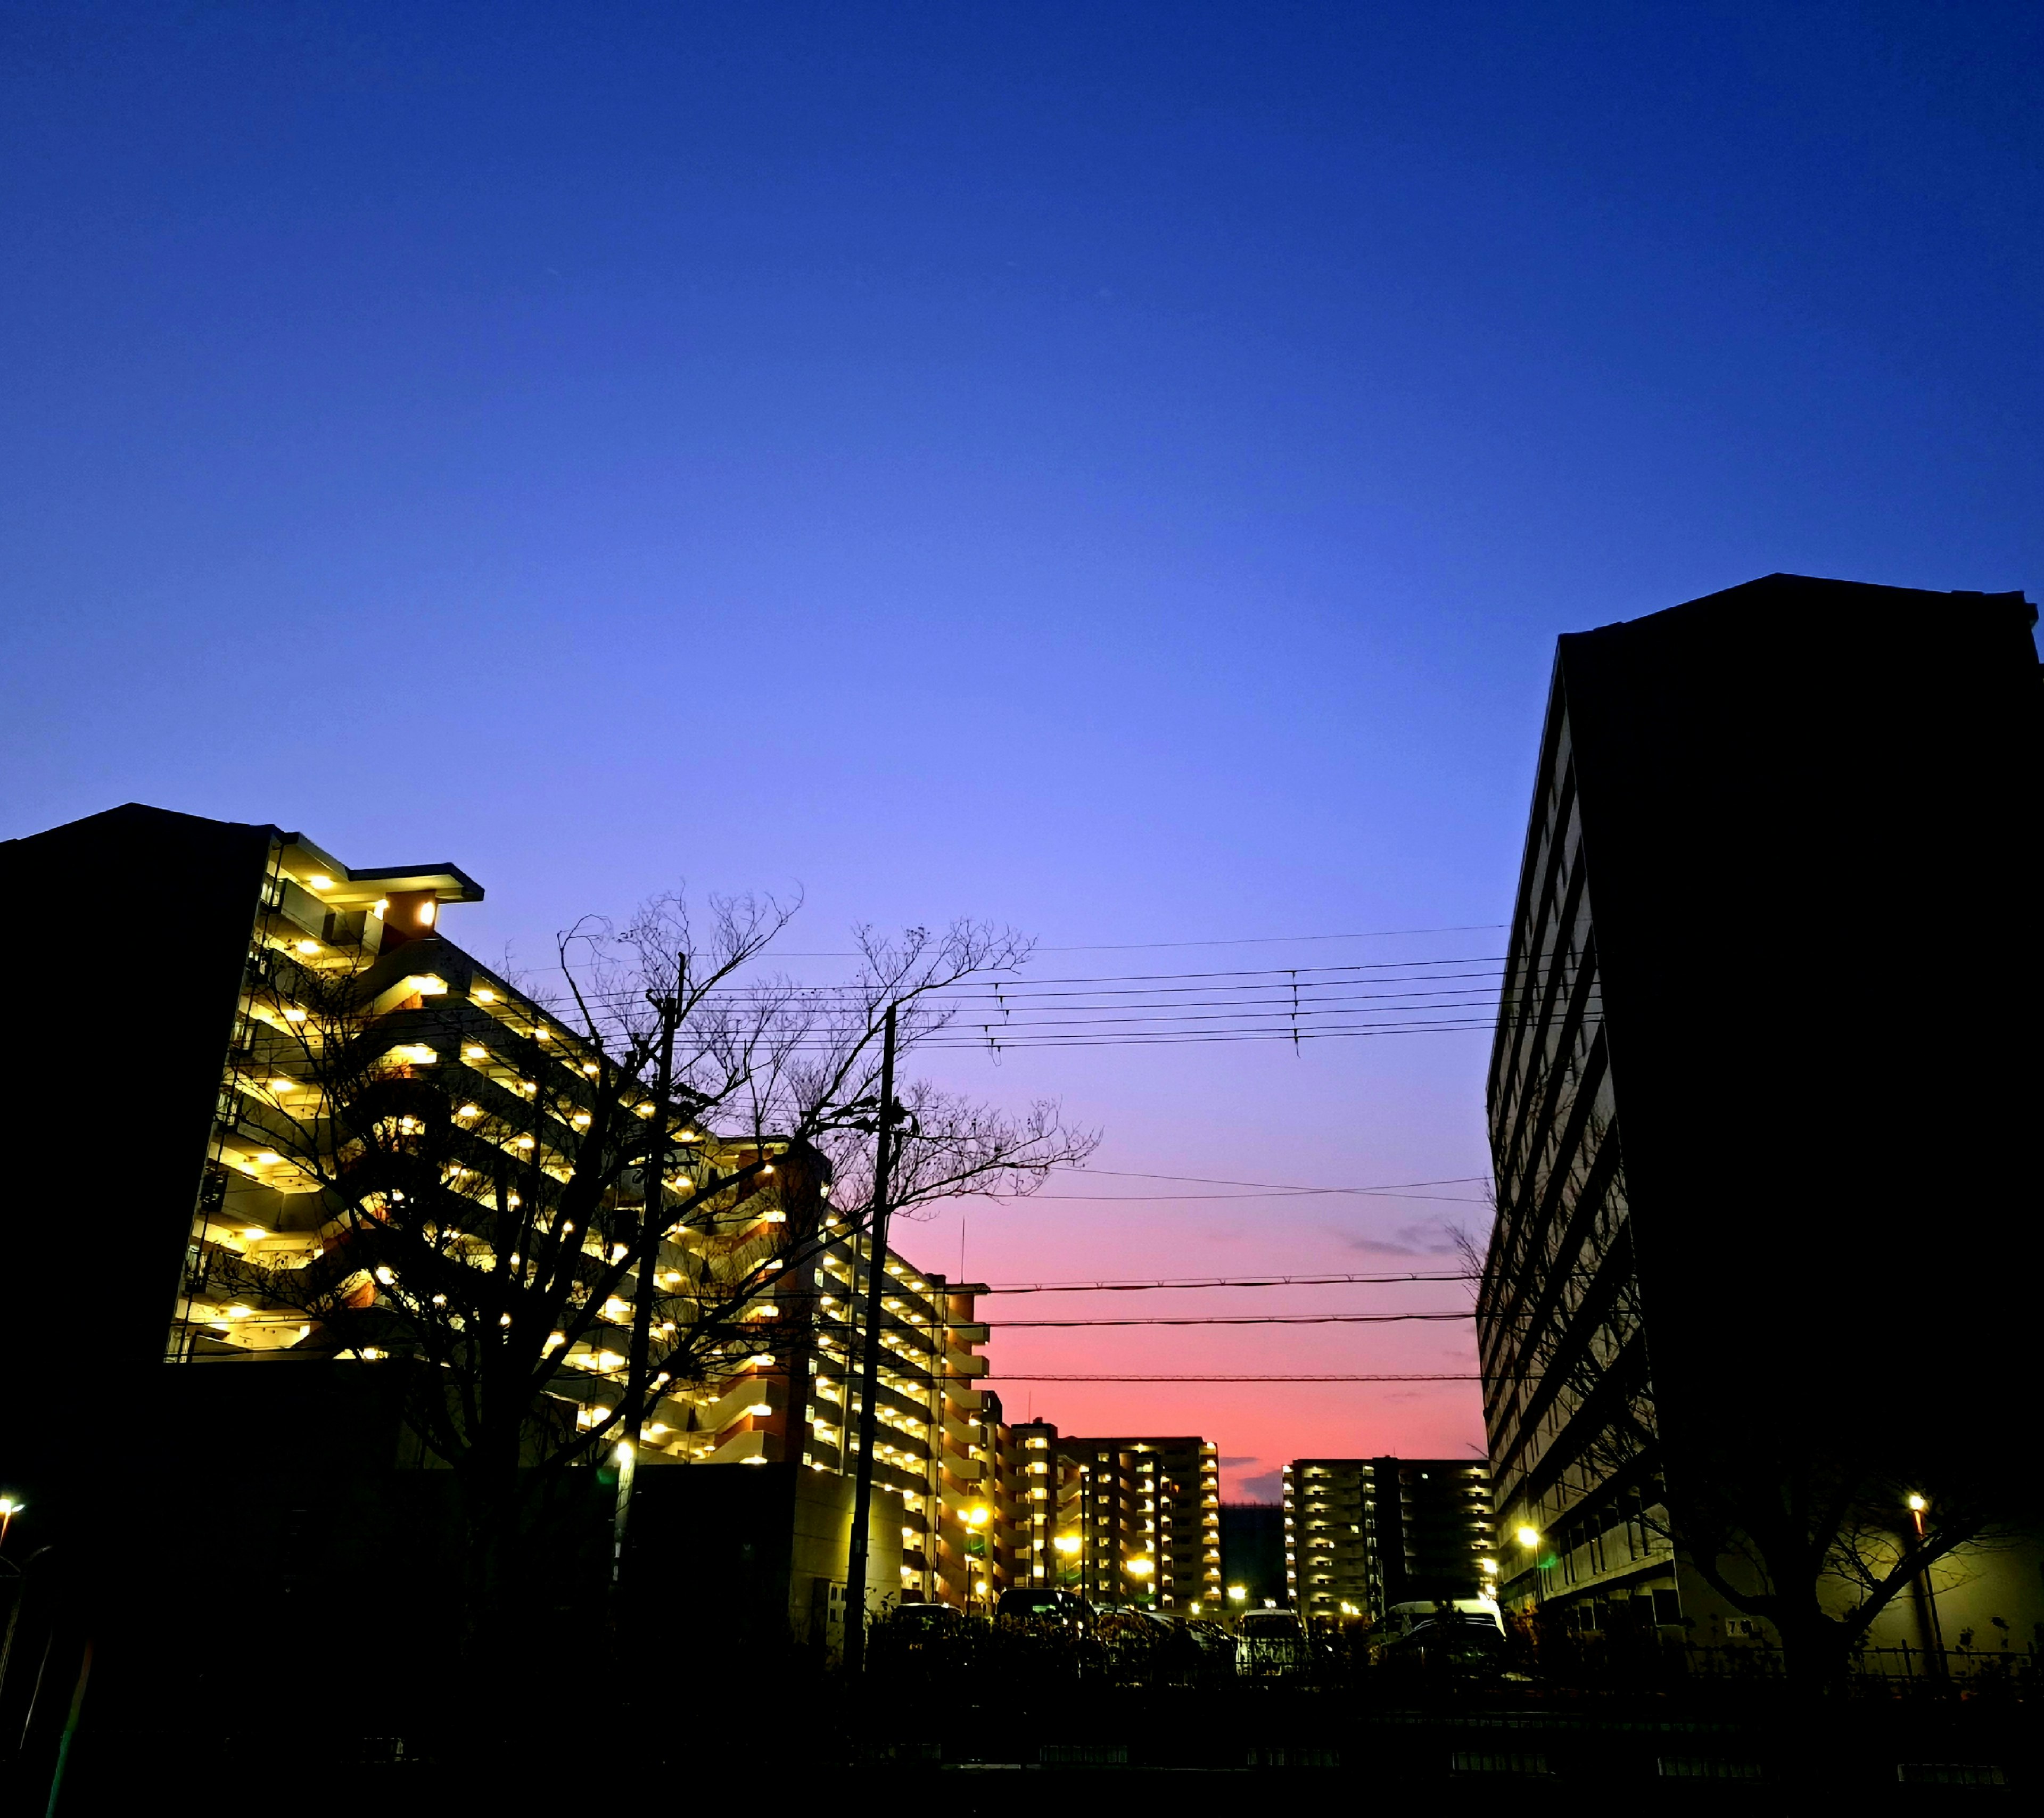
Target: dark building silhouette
1252, 1553
1763, 1095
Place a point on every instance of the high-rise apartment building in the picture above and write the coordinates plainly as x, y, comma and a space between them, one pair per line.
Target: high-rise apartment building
1363, 1535
188, 938
1761, 1097
1135, 1520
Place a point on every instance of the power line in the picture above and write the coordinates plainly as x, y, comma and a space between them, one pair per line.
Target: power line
1244, 1319
1138, 946
1184, 1198
1395, 1187
1227, 1282
1004, 1376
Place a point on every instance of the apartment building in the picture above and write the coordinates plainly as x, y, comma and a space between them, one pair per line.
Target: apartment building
942, 1446
206, 940
1124, 1520
1363, 1535
1742, 1150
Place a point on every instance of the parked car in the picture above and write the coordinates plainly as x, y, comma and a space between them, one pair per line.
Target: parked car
1269, 1641
1026, 1603
1467, 1633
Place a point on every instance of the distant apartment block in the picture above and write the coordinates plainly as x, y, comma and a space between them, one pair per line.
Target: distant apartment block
1124, 1520
1363, 1535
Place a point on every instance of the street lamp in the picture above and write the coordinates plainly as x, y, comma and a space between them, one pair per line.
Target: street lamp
10, 1507
1141, 1568
1528, 1536
1237, 1594
1926, 1592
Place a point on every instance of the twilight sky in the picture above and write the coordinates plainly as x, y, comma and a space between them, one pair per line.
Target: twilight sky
1117, 470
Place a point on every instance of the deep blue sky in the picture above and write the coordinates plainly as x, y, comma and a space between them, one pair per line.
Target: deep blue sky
1118, 469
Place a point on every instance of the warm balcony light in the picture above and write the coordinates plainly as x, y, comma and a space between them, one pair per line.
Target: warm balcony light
470, 1111
384, 1276
295, 1014
1067, 1542
504, 1319
268, 1158
556, 1340
255, 1233
763, 1360
281, 1084
642, 1110
525, 1142
1527, 1537
1140, 1568
308, 946
591, 1068
382, 905
759, 1409
978, 1518
1237, 1594
320, 883
428, 911
473, 1051
581, 1120
482, 994
239, 1312
1487, 1565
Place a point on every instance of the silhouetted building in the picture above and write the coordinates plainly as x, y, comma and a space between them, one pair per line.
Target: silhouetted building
1363, 1534
1763, 1094
1252, 1553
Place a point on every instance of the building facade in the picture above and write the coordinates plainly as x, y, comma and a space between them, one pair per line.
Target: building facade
1122, 1520
1363, 1535
243, 925
1728, 1105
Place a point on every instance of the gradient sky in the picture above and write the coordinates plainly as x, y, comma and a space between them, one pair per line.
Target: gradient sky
1118, 470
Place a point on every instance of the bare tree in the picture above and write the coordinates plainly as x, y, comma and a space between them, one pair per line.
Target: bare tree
551, 1211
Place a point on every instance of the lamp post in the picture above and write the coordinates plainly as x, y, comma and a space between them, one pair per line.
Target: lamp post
1927, 1592
10, 1506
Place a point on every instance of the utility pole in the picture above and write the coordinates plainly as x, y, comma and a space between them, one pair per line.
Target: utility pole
869, 1375
652, 1230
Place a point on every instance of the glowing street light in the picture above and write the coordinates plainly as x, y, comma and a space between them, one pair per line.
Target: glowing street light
1141, 1568
1528, 1536
1066, 1543
1237, 1594
10, 1507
